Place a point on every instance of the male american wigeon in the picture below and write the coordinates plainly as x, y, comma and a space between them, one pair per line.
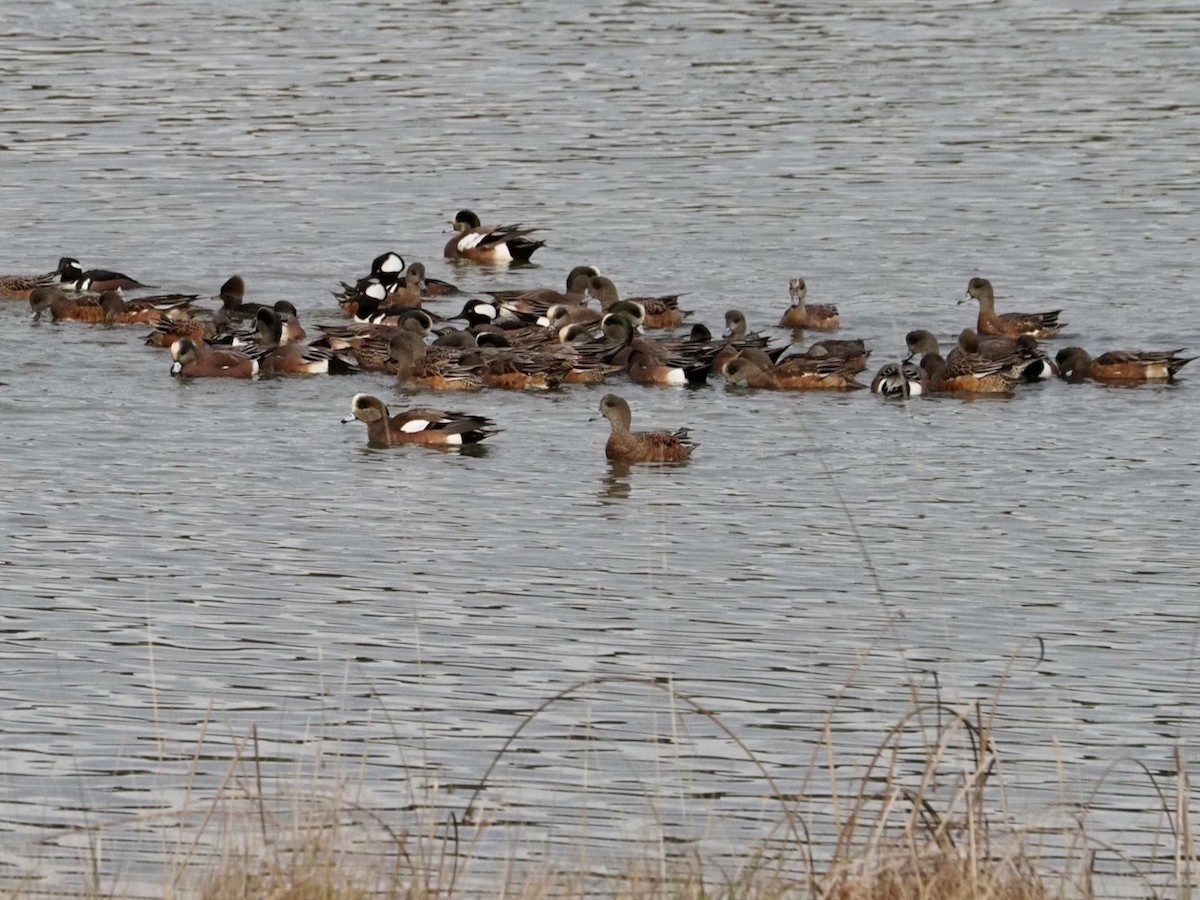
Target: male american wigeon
640, 446
492, 244
657, 312
900, 379
1038, 325
20, 287
431, 427
278, 358
1121, 366
72, 277
194, 359
820, 317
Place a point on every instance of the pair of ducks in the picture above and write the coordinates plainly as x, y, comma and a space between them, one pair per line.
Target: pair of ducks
435, 427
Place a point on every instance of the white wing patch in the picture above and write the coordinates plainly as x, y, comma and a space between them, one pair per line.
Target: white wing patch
414, 425
676, 376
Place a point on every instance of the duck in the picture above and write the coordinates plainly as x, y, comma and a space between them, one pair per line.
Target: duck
417, 365
480, 243
72, 277
800, 316
195, 359
1121, 366
900, 379
657, 312
820, 372
277, 358
233, 306
1014, 324
1037, 366
626, 445
420, 425
541, 299
20, 287
966, 370
77, 308
143, 311
175, 324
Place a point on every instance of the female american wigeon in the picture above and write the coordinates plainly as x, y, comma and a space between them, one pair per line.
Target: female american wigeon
640, 446
72, 277
1038, 325
418, 365
143, 311
657, 312
492, 244
78, 308
802, 316
20, 287
1121, 366
966, 370
194, 359
176, 324
431, 427
1036, 367
541, 299
822, 372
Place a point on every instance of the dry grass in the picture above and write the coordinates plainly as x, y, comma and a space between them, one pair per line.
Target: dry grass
924, 819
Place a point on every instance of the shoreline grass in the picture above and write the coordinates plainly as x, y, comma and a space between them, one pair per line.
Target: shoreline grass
926, 817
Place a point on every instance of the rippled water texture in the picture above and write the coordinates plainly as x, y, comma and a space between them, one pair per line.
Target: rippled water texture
183, 562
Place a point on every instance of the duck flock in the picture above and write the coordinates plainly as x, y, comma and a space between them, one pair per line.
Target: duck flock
543, 338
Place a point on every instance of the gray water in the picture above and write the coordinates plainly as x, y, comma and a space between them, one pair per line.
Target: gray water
183, 563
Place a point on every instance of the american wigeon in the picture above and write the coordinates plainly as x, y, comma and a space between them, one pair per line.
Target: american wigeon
640, 446
493, 244
418, 365
143, 311
517, 370
175, 324
1038, 325
900, 379
564, 315
278, 358
657, 312
966, 370
1121, 366
78, 308
802, 316
72, 277
422, 425
1036, 366
20, 287
540, 299
195, 359
822, 372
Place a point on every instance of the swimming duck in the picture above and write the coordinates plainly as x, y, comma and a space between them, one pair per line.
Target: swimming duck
421, 425
640, 446
1014, 324
498, 244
